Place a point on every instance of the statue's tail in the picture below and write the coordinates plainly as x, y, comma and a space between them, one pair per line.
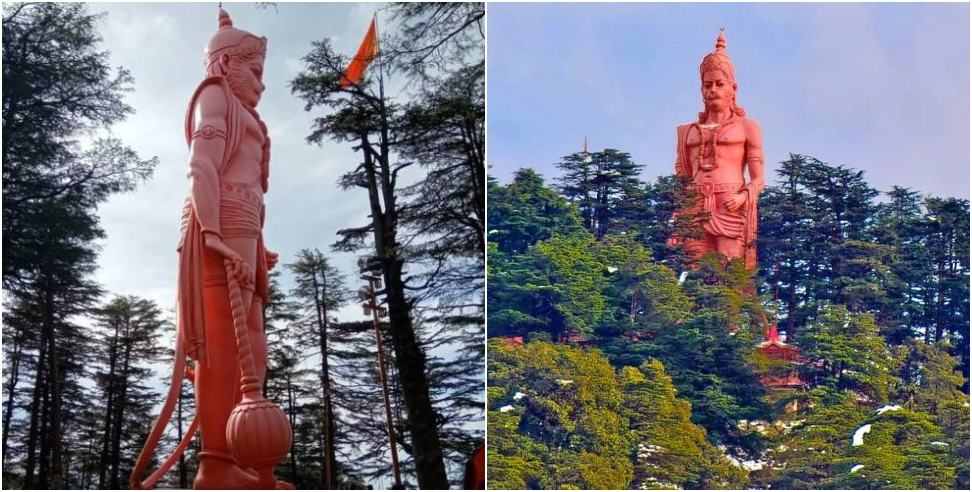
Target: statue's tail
145, 457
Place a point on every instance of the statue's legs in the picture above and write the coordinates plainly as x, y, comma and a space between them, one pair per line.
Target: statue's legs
695, 249
218, 379
730, 247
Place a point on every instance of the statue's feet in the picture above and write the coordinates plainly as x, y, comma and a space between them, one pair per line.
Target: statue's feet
269, 481
218, 470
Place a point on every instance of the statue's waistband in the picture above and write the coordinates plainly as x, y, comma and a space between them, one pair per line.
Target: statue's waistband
709, 188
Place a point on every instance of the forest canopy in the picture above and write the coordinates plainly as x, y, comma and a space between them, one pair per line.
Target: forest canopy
592, 313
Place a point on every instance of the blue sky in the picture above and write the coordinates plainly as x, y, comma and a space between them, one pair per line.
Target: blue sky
883, 88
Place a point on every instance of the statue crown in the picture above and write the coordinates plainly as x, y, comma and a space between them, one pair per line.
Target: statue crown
718, 59
233, 41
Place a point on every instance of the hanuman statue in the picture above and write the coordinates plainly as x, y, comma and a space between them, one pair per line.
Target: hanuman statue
222, 255
712, 153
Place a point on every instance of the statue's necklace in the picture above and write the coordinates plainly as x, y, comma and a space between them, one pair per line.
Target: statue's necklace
707, 160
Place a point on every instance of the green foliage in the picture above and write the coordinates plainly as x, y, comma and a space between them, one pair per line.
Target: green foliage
527, 211
903, 448
670, 451
605, 187
570, 405
851, 354
554, 287
562, 417
874, 296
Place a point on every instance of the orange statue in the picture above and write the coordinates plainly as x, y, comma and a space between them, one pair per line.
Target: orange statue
712, 153
223, 277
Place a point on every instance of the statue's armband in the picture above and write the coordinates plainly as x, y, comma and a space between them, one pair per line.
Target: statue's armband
209, 132
208, 139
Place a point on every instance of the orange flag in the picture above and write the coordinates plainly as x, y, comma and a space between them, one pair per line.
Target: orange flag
366, 53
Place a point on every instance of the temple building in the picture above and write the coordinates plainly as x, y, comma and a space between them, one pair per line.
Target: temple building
784, 359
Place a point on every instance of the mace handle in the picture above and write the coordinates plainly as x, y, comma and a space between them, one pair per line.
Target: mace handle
249, 382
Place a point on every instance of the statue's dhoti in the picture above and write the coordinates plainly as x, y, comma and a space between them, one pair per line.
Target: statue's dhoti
724, 230
217, 376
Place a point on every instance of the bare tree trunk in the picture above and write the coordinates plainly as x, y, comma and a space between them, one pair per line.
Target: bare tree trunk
119, 418
292, 413
426, 448
109, 412
35, 410
328, 448
43, 464
55, 476
50, 387
14, 376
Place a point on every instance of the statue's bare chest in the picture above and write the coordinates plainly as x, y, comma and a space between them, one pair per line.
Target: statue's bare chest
245, 163
713, 146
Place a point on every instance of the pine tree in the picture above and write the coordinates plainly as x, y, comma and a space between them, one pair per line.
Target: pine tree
556, 287
948, 290
358, 394
130, 329
670, 451
899, 223
851, 353
605, 187
321, 291
57, 86
566, 402
661, 200
48, 306
527, 211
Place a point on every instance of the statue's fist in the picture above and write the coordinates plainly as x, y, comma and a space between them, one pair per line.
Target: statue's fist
239, 269
736, 201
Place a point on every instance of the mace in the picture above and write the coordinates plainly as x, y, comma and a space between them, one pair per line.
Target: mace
258, 432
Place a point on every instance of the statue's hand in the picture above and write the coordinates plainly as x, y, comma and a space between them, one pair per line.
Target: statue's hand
241, 270
238, 268
271, 258
736, 201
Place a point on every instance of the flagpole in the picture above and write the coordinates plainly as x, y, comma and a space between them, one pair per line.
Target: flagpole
381, 66
393, 447
381, 74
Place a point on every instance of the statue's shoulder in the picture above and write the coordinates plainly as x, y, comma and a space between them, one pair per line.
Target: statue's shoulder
750, 124
754, 134
215, 101
682, 130
212, 96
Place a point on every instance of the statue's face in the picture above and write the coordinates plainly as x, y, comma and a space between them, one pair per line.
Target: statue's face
718, 91
245, 77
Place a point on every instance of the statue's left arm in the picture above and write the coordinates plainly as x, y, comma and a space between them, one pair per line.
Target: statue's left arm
754, 160
271, 257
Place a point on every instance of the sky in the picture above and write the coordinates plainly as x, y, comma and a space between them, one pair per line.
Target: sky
881, 88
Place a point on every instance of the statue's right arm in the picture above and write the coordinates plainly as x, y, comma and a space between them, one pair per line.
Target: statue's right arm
205, 159
679, 165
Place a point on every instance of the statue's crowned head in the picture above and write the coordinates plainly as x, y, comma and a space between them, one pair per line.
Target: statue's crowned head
717, 66
237, 55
